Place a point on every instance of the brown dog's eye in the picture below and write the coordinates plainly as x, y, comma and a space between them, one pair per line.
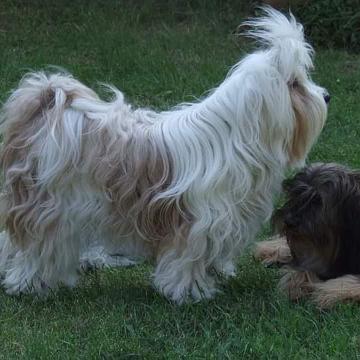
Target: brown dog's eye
295, 83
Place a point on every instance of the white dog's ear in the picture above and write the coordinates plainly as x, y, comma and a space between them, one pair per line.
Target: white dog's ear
284, 38
266, 108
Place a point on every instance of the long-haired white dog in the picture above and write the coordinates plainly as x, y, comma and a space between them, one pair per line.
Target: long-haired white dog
187, 187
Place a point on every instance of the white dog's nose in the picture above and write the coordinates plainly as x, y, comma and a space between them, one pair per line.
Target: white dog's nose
327, 97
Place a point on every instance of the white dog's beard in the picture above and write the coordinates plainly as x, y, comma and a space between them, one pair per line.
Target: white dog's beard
187, 187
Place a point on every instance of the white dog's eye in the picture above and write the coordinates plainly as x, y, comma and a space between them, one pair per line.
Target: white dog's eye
295, 83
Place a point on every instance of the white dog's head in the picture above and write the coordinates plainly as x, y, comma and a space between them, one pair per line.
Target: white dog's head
277, 92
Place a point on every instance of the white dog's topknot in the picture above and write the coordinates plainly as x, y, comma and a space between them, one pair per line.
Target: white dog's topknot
284, 37
274, 27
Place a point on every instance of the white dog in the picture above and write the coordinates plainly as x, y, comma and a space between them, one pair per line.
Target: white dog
188, 187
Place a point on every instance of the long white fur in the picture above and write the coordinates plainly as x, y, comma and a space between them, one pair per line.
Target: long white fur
96, 172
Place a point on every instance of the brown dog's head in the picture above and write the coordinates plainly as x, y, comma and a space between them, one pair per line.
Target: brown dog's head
321, 220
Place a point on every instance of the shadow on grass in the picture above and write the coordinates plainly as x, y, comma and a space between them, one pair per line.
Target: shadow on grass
131, 287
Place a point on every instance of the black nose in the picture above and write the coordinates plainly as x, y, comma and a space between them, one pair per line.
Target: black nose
327, 98
291, 221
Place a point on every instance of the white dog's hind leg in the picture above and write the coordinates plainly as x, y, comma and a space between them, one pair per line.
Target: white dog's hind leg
97, 257
42, 264
115, 250
7, 252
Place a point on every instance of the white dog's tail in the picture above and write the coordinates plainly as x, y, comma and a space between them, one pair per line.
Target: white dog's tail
41, 135
37, 95
39, 122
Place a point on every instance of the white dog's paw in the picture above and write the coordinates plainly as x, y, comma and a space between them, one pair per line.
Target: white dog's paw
18, 282
184, 290
226, 270
187, 294
96, 258
22, 280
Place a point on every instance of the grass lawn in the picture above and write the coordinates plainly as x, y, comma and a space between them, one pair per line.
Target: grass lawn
160, 57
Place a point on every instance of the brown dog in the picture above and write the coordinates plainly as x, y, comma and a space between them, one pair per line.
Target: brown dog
319, 238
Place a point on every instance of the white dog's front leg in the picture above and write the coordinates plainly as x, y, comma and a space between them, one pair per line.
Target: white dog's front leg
182, 280
225, 269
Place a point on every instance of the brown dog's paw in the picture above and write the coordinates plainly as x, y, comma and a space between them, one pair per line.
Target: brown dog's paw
297, 284
345, 288
275, 250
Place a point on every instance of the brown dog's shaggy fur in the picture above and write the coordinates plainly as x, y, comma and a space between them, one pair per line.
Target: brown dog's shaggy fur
321, 235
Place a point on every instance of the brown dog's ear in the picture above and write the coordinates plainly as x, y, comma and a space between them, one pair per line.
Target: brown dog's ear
303, 203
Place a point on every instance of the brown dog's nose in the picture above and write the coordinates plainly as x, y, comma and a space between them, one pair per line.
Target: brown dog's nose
327, 98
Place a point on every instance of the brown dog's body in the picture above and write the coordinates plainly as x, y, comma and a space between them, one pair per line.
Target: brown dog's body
321, 235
